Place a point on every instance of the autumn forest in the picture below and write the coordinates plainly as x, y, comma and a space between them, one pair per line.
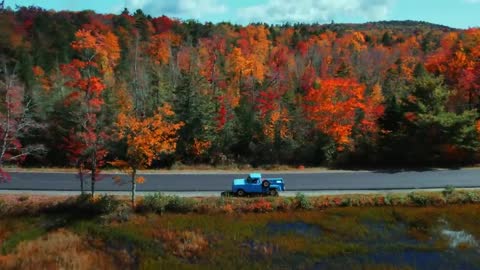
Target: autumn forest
87, 90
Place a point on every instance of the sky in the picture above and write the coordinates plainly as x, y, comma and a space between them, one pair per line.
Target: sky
453, 13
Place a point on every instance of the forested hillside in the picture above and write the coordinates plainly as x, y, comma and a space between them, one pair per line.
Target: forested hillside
84, 89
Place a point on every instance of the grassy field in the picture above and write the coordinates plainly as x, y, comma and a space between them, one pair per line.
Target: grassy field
414, 231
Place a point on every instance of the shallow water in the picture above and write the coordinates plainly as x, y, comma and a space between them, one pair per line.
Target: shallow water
415, 259
296, 227
459, 238
413, 243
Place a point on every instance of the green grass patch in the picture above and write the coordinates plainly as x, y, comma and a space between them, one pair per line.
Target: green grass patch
14, 239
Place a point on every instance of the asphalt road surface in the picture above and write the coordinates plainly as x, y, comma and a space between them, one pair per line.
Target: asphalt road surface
341, 180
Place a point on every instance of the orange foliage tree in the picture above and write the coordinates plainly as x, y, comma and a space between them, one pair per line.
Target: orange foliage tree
334, 106
146, 139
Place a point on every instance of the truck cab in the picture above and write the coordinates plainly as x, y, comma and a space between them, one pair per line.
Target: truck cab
254, 183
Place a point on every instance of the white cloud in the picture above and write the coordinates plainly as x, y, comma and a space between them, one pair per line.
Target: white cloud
190, 9
279, 11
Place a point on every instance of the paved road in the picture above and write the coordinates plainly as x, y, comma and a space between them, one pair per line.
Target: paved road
351, 180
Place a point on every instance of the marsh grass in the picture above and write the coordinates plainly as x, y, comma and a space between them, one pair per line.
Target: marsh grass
15, 231
262, 233
368, 236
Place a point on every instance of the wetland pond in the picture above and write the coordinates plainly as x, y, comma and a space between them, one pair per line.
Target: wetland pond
337, 238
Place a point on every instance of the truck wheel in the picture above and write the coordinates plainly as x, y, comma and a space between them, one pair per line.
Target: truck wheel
274, 193
265, 184
240, 193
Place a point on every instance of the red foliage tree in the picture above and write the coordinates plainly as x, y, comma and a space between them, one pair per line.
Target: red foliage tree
86, 143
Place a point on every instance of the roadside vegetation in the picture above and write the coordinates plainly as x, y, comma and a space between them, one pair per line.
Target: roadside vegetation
397, 231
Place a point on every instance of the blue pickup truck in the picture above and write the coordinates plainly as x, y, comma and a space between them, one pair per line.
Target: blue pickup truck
256, 184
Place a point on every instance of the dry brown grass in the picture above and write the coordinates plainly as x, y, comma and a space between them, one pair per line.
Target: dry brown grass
57, 250
21, 203
185, 244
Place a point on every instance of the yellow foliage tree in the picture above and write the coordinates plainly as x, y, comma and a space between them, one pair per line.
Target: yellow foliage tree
146, 139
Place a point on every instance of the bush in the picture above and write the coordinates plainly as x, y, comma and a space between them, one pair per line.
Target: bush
160, 203
180, 205
156, 202
418, 199
86, 205
473, 197
437, 199
302, 201
260, 206
221, 201
448, 191
346, 201
282, 203
105, 204
388, 199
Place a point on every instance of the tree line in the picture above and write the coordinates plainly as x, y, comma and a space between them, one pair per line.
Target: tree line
132, 91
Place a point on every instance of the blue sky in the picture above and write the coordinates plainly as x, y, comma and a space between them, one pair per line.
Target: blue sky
455, 13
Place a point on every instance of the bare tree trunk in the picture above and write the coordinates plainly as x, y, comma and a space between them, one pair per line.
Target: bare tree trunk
6, 125
94, 172
82, 184
93, 184
134, 187
80, 175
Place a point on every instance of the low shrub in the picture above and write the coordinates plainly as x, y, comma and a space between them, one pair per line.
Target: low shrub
283, 204
389, 199
156, 202
302, 201
448, 191
86, 205
473, 197
228, 208
457, 198
338, 201
180, 205
400, 200
221, 201
259, 206
380, 200
105, 204
208, 205
161, 203
418, 198
436, 199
